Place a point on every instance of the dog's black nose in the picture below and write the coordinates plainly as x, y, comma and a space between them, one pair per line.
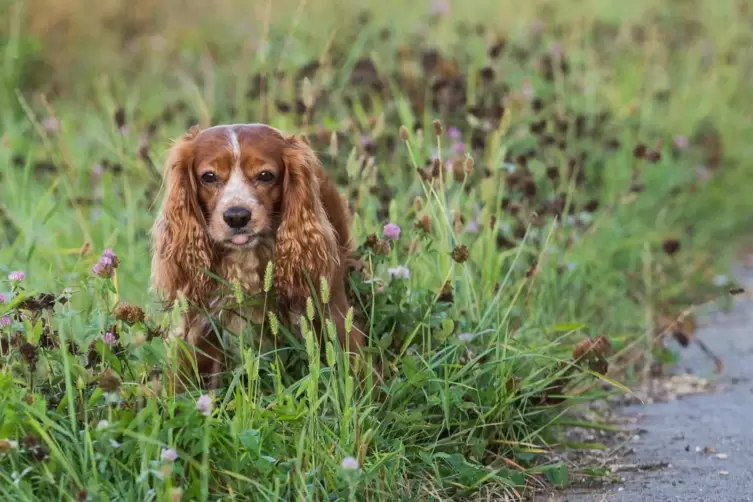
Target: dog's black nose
237, 217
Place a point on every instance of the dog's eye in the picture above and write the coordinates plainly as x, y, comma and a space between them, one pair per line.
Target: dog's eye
209, 177
265, 177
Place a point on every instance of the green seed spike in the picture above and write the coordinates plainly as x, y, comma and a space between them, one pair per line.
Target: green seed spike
310, 308
268, 273
324, 289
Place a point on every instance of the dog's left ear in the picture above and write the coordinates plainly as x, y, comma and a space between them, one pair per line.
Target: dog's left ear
306, 248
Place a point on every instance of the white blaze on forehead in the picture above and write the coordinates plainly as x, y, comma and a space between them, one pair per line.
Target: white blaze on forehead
235, 147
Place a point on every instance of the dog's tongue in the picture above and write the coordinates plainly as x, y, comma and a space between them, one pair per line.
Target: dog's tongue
239, 240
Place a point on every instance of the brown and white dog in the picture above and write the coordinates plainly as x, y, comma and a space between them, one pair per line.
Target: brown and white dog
237, 197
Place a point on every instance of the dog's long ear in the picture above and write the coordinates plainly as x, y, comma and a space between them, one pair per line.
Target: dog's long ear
182, 249
306, 248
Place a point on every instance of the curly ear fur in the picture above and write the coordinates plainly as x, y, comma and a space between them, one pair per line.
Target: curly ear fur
182, 250
306, 247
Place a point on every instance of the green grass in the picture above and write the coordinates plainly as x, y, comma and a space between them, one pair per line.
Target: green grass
478, 352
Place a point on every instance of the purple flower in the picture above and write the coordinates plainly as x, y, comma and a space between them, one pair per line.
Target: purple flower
350, 464
17, 275
168, 455
204, 405
391, 231
439, 7
109, 339
107, 264
459, 148
50, 123
3, 298
680, 142
399, 272
5, 321
454, 132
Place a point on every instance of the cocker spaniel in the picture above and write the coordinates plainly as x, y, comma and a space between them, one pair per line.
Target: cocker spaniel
237, 197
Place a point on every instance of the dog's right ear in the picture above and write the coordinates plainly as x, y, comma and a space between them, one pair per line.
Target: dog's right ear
182, 249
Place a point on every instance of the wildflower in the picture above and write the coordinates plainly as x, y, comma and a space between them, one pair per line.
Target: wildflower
466, 337
3, 298
349, 464
51, 124
680, 142
5, 321
168, 455
459, 148
472, 227
16, 275
454, 132
391, 231
107, 264
102, 425
399, 272
204, 405
109, 339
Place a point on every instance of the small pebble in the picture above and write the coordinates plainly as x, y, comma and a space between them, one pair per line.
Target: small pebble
721, 455
724, 473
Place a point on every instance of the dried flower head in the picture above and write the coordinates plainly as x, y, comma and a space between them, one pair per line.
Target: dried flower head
404, 135
671, 246
29, 353
424, 223
438, 130
460, 253
129, 313
5, 321
109, 381
653, 156
639, 151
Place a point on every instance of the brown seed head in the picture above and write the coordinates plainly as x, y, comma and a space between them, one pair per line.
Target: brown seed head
460, 253
436, 167
109, 381
424, 223
29, 353
653, 156
639, 151
438, 130
129, 313
404, 133
671, 246
468, 164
